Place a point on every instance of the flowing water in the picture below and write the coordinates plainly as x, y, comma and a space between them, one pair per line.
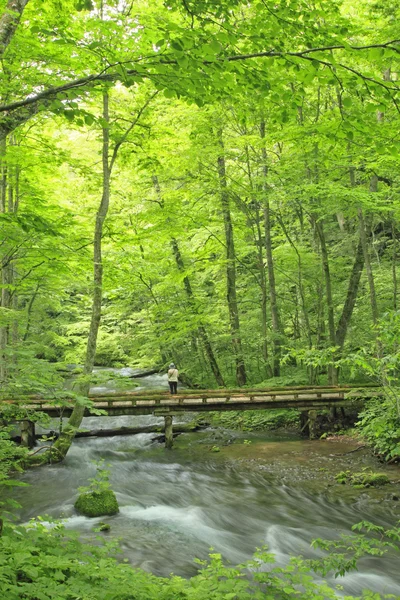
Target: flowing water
176, 505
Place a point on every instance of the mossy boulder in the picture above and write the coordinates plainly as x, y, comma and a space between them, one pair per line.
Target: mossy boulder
372, 479
97, 504
363, 479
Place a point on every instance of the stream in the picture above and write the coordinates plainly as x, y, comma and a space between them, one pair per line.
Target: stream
176, 505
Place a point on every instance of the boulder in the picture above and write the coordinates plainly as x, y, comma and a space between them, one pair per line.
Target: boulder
363, 479
97, 504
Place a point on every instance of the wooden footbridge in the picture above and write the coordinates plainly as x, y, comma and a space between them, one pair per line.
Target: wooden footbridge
304, 398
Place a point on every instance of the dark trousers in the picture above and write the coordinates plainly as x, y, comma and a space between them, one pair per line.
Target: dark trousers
173, 386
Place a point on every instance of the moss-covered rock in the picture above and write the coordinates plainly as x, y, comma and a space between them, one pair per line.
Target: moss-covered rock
363, 479
373, 479
97, 504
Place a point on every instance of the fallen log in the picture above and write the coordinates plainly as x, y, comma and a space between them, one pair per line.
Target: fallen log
135, 430
144, 373
159, 429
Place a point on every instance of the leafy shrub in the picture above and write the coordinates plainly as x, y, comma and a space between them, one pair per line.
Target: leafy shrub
42, 563
380, 421
100, 482
256, 420
379, 424
109, 351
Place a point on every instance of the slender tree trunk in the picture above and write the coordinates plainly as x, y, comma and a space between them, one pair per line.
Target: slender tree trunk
304, 308
275, 317
231, 271
259, 244
264, 298
351, 296
201, 329
394, 261
13, 202
332, 372
29, 312
9, 21
5, 268
367, 260
352, 289
62, 445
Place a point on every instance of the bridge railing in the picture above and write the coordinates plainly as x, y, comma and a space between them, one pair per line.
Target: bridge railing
293, 395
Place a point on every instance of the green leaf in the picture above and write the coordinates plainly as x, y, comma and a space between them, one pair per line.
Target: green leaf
347, 102
168, 93
84, 5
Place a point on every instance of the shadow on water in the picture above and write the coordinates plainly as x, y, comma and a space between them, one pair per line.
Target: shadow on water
175, 506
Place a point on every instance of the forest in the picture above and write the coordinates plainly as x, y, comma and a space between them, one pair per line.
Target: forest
212, 183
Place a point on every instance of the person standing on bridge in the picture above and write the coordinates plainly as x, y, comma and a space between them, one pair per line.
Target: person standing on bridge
173, 374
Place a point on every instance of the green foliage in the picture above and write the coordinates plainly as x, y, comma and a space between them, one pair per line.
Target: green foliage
100, 482
42, 562
215, 449
109, 351
379, 421
118, 381
302, 135
12, 459
103, 527
380, 425
343, 554
256, 420
26, 374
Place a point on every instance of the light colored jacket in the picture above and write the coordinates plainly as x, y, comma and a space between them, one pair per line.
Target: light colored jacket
173, 374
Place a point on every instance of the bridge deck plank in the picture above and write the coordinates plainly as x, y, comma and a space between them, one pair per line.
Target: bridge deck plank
300, 397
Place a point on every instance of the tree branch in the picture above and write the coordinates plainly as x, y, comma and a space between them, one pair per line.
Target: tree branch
129, 129
82, 82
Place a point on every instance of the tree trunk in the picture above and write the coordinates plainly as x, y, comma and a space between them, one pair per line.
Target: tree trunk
62, 445
201, 329
304, 307
367, 260
276, 324
29, 312
5, 267
13, 202
332, 371
264, 299
262, 281
351, 296
9, 21
231, 272
394, 261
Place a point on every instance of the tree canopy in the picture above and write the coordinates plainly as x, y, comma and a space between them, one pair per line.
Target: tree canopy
244, 176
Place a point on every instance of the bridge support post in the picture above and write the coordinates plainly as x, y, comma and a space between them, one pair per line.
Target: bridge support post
304, 422
27, 434
169, 438
312, 418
